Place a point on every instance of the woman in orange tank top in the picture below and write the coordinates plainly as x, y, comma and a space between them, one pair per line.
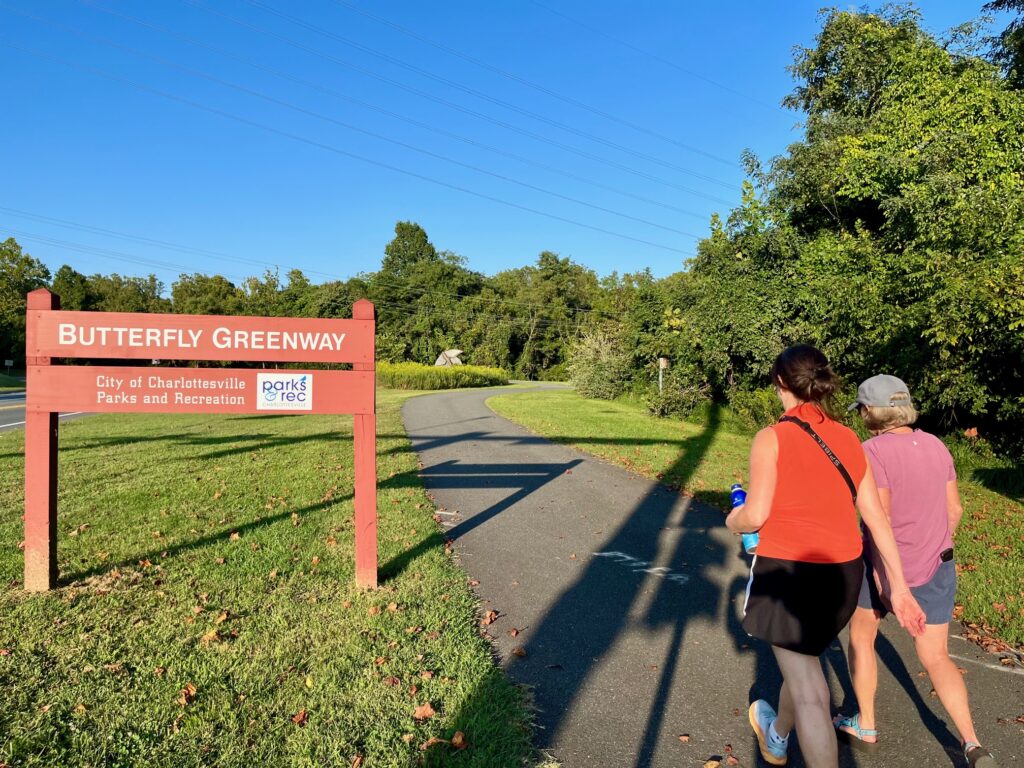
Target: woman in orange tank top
809, 477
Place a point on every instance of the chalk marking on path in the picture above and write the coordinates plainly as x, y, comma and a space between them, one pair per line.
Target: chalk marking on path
636, 565
61, 416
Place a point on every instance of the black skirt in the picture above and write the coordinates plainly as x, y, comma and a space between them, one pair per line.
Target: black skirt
799, 606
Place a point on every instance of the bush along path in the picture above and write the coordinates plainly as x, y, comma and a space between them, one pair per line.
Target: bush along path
207, 614
617, 600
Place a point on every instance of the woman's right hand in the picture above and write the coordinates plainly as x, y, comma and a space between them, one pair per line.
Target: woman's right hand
908, 612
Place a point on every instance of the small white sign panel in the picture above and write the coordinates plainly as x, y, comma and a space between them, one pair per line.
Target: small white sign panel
284, 392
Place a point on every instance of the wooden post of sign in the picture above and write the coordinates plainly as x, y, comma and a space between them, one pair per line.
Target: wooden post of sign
40, 467
365, 434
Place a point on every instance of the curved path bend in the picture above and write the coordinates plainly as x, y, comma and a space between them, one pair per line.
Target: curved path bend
626, 598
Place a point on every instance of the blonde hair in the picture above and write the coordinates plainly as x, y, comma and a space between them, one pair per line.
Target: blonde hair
878, 418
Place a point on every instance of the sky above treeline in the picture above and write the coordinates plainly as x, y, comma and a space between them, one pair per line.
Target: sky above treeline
233, 136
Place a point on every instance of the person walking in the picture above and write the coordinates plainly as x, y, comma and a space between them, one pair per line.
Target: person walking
808, 478
917, 486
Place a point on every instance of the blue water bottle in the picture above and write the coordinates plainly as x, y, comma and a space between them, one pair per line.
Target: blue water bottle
739, 496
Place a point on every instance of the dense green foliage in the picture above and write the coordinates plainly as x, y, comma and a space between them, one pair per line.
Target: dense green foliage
890, 235
419, 376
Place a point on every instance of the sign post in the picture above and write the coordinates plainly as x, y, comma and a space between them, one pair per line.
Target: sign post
51, 333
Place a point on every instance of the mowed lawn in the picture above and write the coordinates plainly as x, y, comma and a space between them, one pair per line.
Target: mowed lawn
704, 460
207, 614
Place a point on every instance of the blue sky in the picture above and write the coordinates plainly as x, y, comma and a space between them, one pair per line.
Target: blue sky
617, 126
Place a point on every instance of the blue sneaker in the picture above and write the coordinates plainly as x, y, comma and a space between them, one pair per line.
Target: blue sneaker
761, 716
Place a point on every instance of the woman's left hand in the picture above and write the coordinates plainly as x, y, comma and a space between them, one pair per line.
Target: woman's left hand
908, 612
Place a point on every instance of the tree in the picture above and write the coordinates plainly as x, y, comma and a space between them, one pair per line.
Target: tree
73, 288
199, 294
19, 274
1008, 50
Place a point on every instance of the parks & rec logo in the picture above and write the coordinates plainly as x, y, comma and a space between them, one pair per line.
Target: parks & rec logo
284, 392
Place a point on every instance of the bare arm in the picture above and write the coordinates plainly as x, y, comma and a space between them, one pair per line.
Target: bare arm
876, 518
954, 509
764, 453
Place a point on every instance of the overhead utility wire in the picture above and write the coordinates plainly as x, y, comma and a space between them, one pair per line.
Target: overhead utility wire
650, 55
528, 83
494, 100
375, 280
336, 150
387, 112
458, 107
348, 126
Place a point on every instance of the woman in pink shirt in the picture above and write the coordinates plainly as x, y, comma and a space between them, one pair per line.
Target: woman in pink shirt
917, 485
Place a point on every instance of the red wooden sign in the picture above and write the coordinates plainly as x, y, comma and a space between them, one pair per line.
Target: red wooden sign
50, 389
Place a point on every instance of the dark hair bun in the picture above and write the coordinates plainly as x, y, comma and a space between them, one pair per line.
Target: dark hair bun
805, 371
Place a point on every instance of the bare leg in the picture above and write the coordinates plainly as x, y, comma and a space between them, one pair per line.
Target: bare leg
864, 664
933, 651
787, 712
809, 699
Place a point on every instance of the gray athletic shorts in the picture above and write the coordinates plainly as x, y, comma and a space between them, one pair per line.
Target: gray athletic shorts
936, 596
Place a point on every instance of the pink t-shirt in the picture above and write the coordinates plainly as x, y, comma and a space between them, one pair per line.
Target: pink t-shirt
915, 468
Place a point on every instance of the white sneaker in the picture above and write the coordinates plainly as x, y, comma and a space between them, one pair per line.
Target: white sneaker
761, 716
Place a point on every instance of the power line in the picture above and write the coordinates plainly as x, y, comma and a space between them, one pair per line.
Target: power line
457, 107
494, 100
650, 55
529, 83
336, 150
387, 112
348, 126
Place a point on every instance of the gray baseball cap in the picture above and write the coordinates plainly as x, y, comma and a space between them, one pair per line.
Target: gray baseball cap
878, 391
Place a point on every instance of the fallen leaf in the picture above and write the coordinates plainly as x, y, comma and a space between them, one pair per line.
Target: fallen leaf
373, 610
474, 582
489, 618
357, 761
730, 760
159, 671
295, 519
426, 674
513, 632
459, 740
728, 749
221, 617
392, 681
331, 541
187, 694
315, 560
519, 651
273, 574
712, 764
431, 742
685, 738
309, 681
393, 607
235, 536
424, 712
300, 717
5, 651
413, 690
210, 637
572, 556
220, 561
379, 660
407, 738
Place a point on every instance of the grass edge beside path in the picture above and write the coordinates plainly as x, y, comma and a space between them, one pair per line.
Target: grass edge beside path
207, 613
11, 384
989, 543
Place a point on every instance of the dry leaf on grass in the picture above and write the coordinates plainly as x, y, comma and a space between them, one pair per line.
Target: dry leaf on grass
235, 536
373, 610
221, 617
300, 718
424, 712
459, 740
431, 742
357, 761
187, 694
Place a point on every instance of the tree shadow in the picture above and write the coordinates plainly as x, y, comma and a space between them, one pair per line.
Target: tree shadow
656, 544
523, 479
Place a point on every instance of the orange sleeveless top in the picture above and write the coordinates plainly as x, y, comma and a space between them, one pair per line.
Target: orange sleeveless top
812, 517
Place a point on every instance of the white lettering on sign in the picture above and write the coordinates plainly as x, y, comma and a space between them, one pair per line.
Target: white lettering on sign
70, 334
284, 392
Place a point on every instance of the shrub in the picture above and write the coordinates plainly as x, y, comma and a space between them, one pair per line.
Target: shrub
681, 395
756, 408
419, 376
599, 367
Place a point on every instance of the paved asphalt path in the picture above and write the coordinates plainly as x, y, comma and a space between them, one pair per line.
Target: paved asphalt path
627, 599
12, 411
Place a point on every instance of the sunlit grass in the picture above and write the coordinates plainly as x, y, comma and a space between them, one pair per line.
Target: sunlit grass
207, 613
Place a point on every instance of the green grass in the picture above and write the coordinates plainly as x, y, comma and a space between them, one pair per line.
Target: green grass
216, 552
419, 376
10, 384
704, 460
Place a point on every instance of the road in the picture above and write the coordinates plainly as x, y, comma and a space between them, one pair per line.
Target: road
12, 411
626, 599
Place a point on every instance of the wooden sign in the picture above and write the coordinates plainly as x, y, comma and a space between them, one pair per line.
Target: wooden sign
51, 389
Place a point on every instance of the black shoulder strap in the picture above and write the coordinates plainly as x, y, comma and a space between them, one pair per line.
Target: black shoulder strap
828, 452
